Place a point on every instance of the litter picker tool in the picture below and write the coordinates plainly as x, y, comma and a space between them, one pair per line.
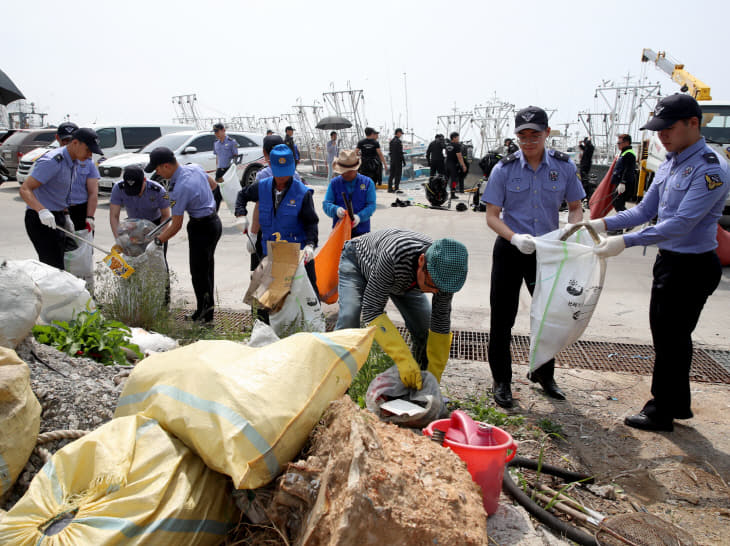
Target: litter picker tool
348, 204
113, 259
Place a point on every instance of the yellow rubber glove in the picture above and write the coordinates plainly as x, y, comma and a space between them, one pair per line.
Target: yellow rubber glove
395, 346
437, 351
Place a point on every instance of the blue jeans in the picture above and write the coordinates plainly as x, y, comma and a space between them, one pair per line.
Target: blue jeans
413, 305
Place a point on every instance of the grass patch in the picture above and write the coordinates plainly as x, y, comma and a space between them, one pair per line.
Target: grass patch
479, 409
376, 363
550, 427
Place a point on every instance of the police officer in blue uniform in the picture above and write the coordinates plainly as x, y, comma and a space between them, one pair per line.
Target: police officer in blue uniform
46, 193
84, 195
191, 190
523, 197
688, 195
141, 198
286, 207
225, 149
360, 190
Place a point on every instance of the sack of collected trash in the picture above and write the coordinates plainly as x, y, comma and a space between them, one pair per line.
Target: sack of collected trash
80, 261
327, 260
20, 305
568, 284
128, 482
302, 311
132, 235
62, 295
421, 408
20, 419
230, 187
246, 412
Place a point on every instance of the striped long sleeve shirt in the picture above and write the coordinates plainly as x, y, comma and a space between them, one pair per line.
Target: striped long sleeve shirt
388, 260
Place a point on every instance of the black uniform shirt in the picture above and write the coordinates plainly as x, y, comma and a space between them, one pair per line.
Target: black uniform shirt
453, 148
368, 148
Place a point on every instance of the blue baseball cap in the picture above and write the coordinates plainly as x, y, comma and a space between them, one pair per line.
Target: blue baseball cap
281, 159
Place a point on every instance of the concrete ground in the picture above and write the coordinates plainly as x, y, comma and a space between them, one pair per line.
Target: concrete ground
622, 313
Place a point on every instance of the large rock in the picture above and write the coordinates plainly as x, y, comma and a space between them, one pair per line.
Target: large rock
368, 482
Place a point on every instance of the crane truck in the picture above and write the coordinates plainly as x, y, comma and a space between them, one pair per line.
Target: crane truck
715, 125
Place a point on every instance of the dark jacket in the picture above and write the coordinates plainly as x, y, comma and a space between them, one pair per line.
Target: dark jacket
396, 151
435, 152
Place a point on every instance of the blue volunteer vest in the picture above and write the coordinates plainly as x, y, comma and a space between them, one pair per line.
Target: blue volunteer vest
359, 199
285, 220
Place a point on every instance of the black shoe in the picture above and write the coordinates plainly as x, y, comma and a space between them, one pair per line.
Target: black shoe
453, 195
398, 191
193, 317
502, 394
390, 190
643, 422
683, 414
548, 384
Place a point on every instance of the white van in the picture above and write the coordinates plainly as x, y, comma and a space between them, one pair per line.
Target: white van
113, 140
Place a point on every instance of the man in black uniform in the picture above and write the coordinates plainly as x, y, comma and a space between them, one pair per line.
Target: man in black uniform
510, 146
435, 155
372, 156
586, 161
623, 175
454, 162
289, 141
397, 162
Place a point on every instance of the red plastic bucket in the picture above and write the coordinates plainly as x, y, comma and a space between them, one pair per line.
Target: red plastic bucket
485, 463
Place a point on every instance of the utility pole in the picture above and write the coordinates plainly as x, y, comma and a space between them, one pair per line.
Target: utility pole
405, 87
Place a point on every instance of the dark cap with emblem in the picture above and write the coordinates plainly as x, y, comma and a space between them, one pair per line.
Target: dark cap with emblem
66, 130
133, 179
88, 137
158, 156
370, 131
671, 109
271, 141
532, 117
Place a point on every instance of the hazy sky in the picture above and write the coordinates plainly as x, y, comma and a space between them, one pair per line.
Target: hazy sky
123, 61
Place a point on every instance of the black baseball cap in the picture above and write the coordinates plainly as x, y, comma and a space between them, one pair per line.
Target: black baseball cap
289, 128
66, 130
532, 117
370, 131
271, 141
671, 109
399, 130
133, 174
158, 156
88, 137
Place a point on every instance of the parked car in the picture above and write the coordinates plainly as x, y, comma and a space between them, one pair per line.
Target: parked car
113, 140
22, 142
190, 147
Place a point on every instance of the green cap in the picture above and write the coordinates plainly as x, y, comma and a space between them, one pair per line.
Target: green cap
447, 261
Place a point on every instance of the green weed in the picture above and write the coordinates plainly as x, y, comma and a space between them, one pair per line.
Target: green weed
376, 363
479, 409
550, 427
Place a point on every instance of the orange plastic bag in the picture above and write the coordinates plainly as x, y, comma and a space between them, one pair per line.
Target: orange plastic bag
601, 202
327, 261
723, 245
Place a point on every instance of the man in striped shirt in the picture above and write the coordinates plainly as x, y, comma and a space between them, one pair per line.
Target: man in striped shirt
403, 266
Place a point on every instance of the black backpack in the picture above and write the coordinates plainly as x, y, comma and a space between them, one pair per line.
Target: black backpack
436, 190
487, 163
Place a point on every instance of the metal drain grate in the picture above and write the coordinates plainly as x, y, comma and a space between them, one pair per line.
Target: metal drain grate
708, 365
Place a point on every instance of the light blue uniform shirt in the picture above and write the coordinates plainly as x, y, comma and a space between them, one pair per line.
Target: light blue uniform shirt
333, 149
84, 170
225, 151
147, 206
190, 191
330, 205
688, 195
529, 199
55, 171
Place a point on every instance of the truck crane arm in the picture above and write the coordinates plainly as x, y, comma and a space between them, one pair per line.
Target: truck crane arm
696, 87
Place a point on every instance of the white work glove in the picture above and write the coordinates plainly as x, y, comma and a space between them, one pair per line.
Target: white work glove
68, 223
90, 224
47, 219
620, 188
355, 221
242, 223
341, 212
524, 243
308, 254
250, 244
599, 225
612, 246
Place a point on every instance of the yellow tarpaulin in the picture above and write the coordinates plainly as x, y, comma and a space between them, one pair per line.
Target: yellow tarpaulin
245, 411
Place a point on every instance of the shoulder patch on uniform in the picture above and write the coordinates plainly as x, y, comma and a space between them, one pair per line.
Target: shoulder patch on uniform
58, 157
509, 159
713, 181
710, 157
559, 155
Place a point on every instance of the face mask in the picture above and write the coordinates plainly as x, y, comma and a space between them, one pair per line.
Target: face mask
132, 189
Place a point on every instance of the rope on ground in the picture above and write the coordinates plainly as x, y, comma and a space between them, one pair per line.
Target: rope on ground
56, 435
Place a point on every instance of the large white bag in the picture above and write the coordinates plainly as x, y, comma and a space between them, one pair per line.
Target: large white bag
20, 305
80, 261
568, 284
63, 296
302, 311
230, 187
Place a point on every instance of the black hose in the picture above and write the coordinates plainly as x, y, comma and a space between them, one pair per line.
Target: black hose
542, 515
